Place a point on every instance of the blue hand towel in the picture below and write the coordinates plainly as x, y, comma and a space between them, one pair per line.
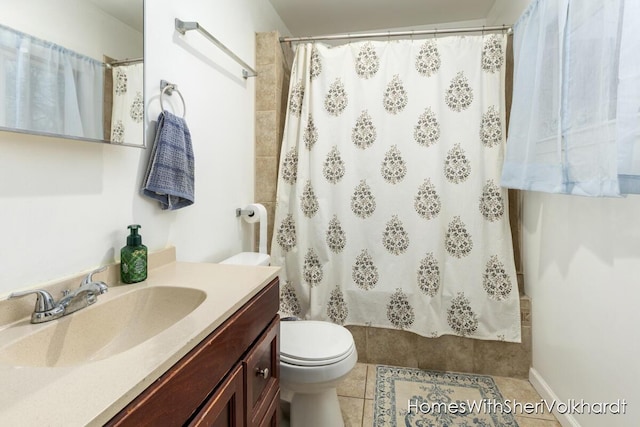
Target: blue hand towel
170, 174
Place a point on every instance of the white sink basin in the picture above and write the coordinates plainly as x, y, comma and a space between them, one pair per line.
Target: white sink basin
102, 330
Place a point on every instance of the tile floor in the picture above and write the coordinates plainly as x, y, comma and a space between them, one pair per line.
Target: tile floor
356, 396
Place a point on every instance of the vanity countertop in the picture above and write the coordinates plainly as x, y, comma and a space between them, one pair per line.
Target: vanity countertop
92, 393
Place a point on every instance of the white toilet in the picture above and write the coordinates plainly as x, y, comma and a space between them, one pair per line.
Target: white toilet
315, 357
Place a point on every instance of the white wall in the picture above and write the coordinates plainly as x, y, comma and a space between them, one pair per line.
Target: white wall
65, 205
582, 260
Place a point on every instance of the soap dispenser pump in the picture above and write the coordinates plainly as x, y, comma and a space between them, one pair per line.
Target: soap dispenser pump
133, 258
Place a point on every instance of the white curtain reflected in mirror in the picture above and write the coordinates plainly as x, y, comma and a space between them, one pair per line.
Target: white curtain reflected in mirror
48, 88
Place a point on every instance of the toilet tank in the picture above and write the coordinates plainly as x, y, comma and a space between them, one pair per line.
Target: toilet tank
248, 258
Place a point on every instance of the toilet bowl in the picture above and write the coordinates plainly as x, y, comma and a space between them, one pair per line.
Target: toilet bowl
315, 357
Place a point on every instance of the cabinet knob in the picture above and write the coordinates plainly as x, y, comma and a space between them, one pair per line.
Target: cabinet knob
264, 373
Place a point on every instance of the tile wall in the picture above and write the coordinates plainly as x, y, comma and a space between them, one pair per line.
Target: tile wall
273, 63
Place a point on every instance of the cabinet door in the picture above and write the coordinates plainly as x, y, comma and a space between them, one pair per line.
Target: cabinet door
272, 417
225, 408
262, 372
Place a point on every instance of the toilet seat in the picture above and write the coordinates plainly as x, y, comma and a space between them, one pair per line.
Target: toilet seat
314, 343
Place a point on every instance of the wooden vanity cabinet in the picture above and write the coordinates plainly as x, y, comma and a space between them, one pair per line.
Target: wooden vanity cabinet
230, 379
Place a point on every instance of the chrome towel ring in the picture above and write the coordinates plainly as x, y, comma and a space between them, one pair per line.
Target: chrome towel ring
169, 88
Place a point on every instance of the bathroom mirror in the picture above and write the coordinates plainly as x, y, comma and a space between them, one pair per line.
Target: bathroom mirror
73, 69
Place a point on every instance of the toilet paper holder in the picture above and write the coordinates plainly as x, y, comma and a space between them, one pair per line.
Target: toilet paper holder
247, 212
256, 213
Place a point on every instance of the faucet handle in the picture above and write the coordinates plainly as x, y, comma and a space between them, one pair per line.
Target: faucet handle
44, 300
45, 309
89, 277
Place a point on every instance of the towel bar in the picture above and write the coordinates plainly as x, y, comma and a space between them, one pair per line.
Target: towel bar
183, 26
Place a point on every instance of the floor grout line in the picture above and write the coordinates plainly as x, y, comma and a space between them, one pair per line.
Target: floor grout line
364, 395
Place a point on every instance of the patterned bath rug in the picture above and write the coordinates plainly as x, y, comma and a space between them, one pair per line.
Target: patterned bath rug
407, 397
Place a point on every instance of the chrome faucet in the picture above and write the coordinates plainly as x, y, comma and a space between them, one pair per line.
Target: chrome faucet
47, 309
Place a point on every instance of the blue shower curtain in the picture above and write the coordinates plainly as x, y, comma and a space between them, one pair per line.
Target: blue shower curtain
575, 119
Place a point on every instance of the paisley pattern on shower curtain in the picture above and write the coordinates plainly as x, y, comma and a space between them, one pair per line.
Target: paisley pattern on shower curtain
128, 104
388, 209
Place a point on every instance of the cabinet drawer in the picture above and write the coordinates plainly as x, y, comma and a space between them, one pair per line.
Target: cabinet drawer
262, 373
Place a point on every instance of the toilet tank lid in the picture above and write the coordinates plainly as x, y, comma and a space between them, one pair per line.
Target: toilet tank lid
248, 258
314, 341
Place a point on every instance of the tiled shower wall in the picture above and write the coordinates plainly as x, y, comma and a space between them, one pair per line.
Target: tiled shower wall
273, 63
450, 353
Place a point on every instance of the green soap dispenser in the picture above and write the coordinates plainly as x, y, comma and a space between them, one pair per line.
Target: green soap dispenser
133, 258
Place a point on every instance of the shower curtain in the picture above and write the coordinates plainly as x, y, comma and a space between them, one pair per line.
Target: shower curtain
388, 210
128, 104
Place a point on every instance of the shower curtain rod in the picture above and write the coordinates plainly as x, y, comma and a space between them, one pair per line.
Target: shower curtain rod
124, 62
398, 33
